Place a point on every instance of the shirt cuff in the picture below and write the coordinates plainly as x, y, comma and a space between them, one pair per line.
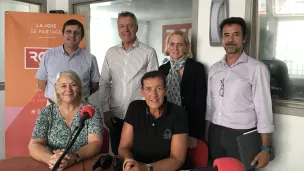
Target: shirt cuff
265, 129
105, 108
208, 117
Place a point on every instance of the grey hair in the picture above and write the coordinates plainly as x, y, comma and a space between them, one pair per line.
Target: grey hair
74, 77
128, 14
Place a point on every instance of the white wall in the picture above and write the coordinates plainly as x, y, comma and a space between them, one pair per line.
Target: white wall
156, 29
288, 142
205, 53
58, 5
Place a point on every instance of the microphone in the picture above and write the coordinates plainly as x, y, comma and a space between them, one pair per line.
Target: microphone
87, 112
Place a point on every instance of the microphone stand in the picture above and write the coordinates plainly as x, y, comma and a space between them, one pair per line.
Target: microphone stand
78, 128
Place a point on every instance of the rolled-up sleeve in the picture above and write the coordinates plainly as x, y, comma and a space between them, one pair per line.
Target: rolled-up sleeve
153, 62
208, 116
262, 100
105, 86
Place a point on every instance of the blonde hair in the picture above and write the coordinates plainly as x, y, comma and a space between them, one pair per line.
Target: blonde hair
186, 41
75, 78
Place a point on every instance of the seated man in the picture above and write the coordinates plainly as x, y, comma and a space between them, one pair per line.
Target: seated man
56, 123
155, 132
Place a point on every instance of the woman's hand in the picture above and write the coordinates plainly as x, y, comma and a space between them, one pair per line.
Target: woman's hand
66, 161
192, 142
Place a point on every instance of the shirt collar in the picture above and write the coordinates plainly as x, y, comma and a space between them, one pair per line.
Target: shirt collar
135, 44
164, 112
242, 59
76, 52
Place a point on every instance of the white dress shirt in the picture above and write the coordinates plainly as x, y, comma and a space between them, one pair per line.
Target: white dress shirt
121, 74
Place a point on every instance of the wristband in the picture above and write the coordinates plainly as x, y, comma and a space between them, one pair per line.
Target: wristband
263, 148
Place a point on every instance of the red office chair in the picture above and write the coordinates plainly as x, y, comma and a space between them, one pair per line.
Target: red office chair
106, 141
228, 164
199, 154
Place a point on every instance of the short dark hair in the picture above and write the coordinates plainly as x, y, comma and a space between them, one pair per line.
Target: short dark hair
234, 20
153, 74
73, 22
127, 14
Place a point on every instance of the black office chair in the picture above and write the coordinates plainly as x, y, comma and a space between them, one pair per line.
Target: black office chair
280, 83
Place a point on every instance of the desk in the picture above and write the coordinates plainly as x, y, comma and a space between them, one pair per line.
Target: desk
26, 163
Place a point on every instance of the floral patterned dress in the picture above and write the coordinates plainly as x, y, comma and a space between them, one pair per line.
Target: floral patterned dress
51, 125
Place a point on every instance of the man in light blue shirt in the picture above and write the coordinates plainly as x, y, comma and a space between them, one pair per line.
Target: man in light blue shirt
69, 56
238, 98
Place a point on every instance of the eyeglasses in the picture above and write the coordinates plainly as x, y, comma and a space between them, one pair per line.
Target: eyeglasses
222, 87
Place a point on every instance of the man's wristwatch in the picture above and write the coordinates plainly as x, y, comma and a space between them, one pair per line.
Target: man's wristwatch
150, 167
267, 149
77, 157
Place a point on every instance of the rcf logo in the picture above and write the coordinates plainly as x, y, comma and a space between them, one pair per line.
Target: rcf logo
32, 56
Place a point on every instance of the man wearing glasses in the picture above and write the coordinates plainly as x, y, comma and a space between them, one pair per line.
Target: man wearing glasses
238, 98
69, 56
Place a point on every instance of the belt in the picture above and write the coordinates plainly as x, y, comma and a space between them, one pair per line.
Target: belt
241, 130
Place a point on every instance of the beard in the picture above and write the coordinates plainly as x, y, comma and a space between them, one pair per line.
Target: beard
232, 49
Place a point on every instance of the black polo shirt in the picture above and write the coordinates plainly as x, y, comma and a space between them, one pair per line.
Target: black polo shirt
152, 137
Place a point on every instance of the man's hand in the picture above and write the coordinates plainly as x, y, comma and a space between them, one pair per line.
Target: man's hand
109, 119
192, 142
262, 158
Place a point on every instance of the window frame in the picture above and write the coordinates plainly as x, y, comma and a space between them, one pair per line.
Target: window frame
74, 3
43, 8
280, 106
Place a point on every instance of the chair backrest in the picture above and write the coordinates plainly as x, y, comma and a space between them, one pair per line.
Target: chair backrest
228, 164
199, 154
106, 141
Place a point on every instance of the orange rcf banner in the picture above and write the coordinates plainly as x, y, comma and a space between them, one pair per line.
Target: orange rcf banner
27, 37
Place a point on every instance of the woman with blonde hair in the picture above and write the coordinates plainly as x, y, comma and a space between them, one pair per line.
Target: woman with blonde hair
186, 83
56, 122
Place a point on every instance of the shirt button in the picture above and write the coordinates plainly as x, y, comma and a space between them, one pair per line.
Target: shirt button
220, 113
153, 124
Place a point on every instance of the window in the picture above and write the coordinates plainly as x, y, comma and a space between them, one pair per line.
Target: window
156, 18
281, 24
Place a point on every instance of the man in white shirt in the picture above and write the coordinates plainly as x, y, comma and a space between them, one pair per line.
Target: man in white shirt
122, 69
238, 98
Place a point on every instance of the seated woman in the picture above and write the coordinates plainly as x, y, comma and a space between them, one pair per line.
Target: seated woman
186, 83
57, 121
154, 134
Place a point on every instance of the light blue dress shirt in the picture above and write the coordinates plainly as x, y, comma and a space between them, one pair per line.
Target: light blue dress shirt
239, 96
56, 60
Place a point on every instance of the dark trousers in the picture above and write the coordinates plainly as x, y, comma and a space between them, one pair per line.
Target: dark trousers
115, 134
222, 142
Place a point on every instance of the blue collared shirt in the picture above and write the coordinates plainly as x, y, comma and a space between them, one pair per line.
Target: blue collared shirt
239, 95
56, 60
